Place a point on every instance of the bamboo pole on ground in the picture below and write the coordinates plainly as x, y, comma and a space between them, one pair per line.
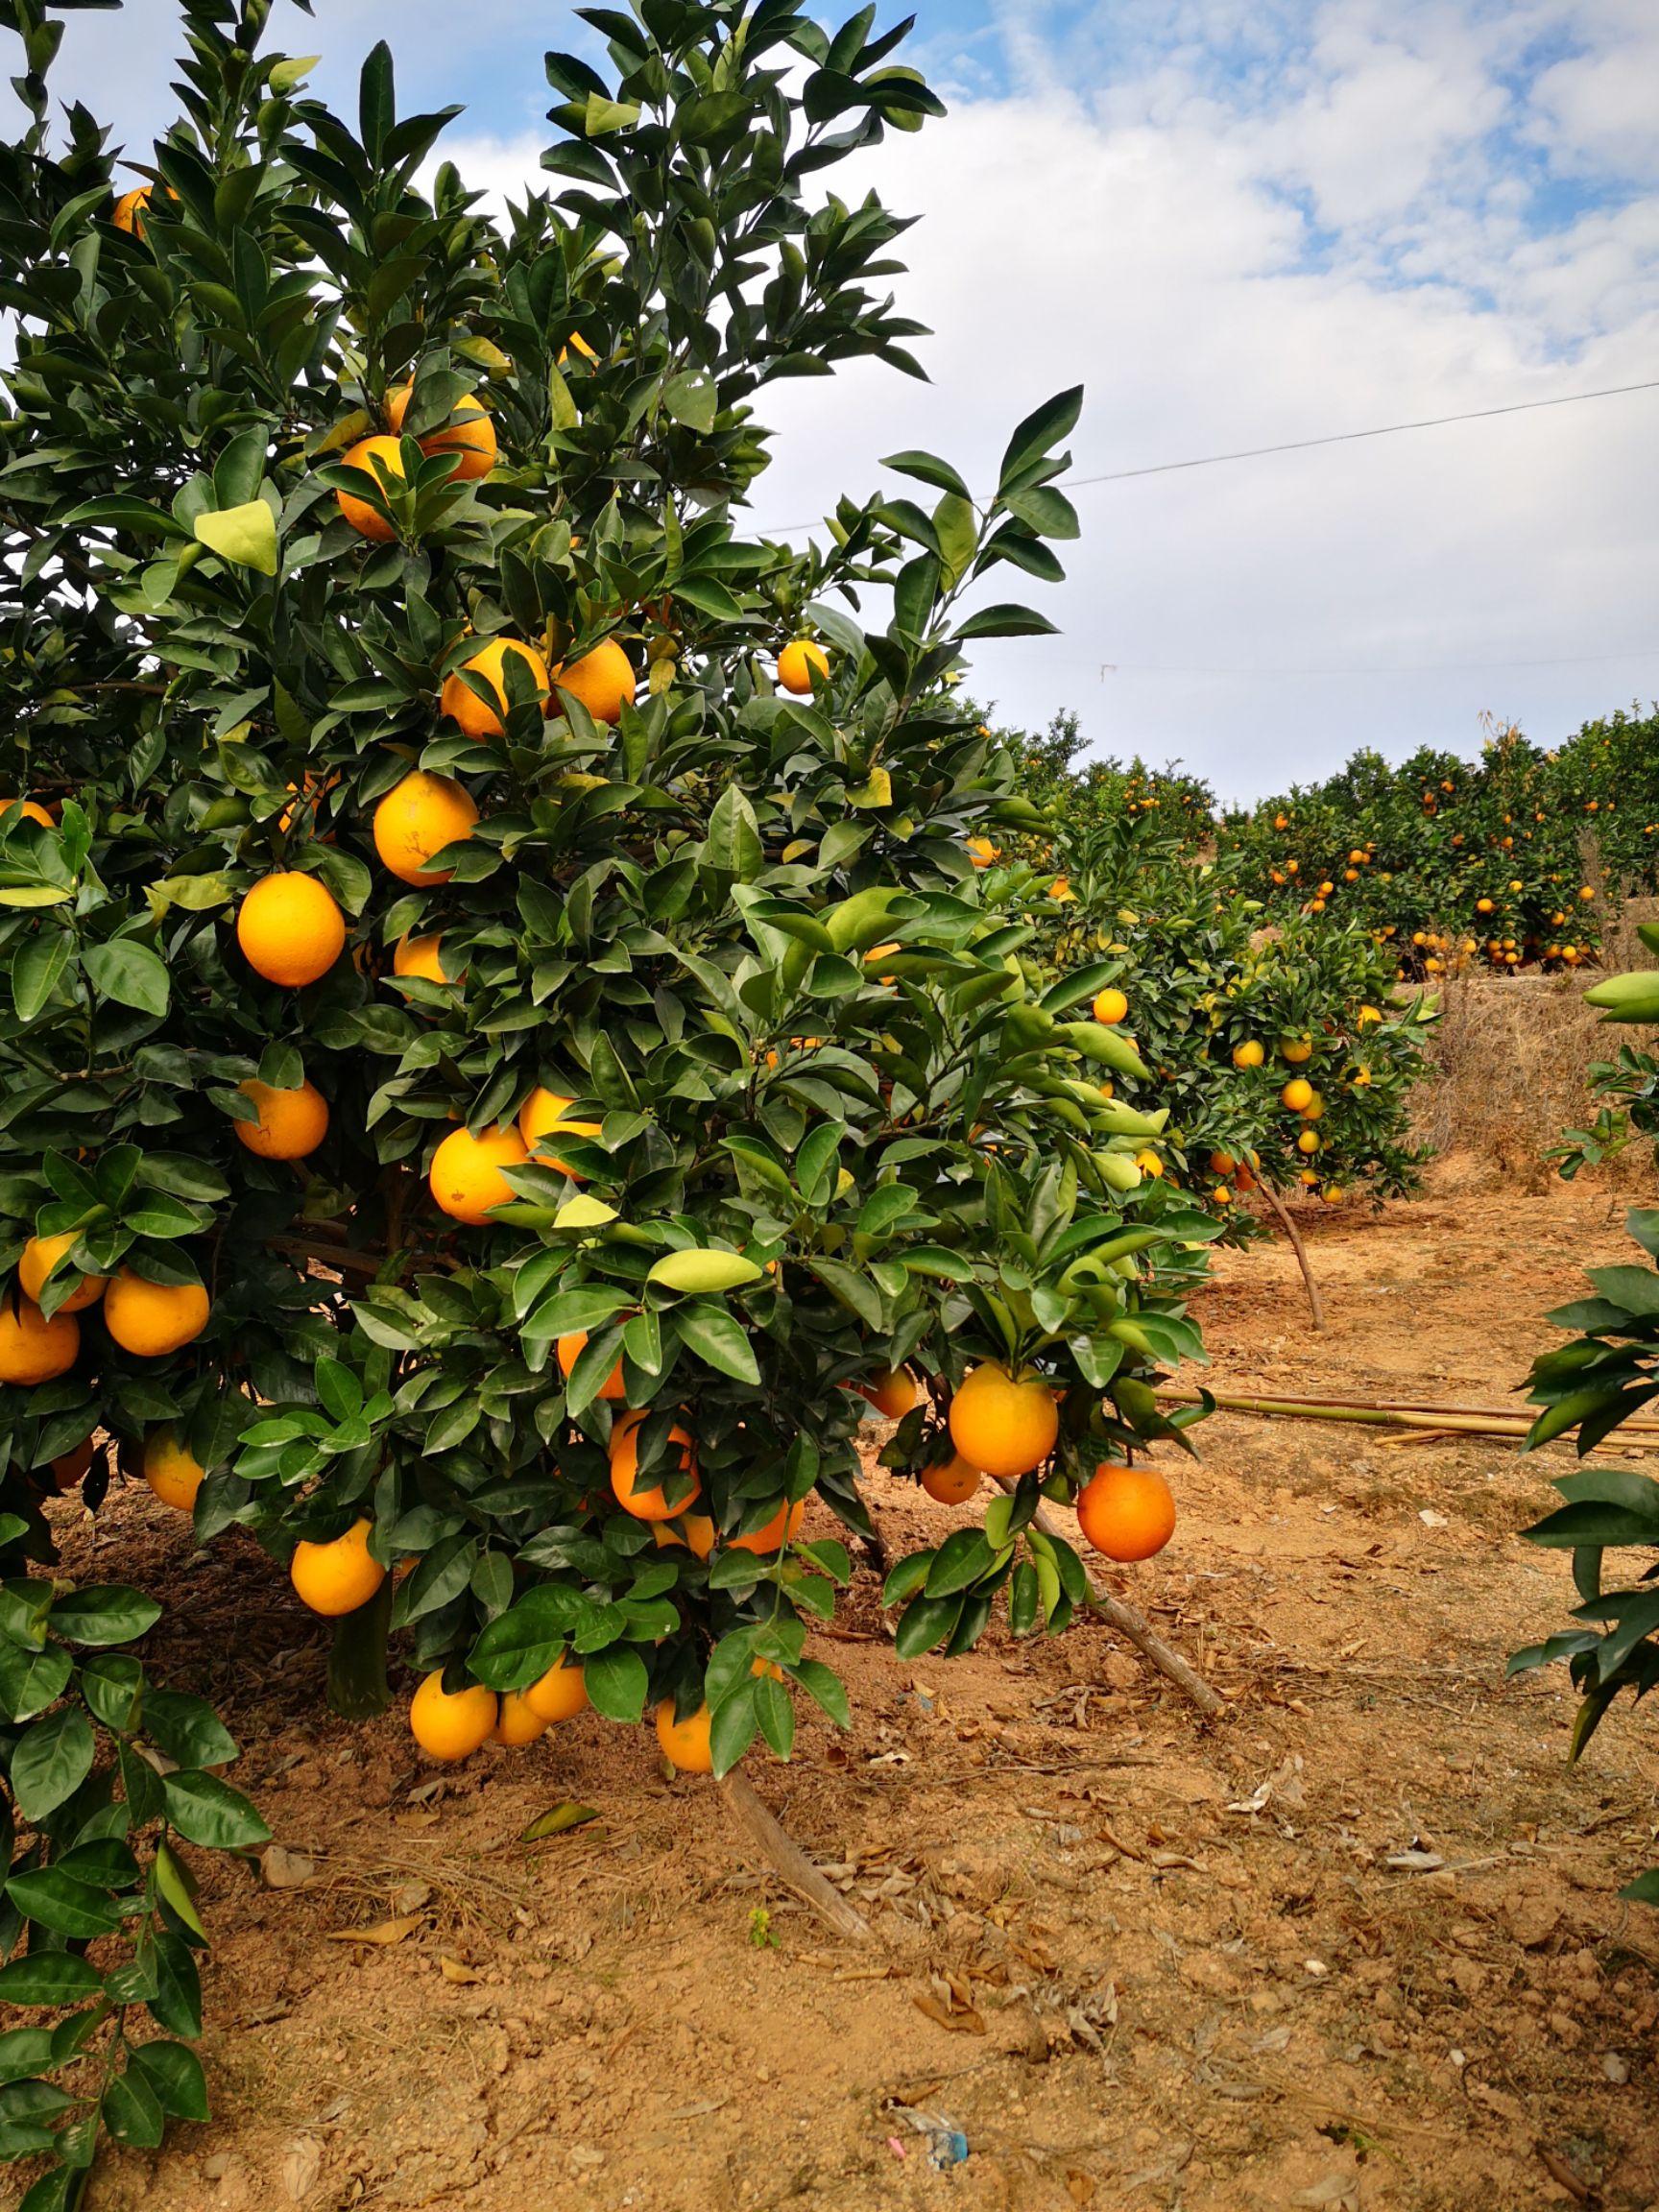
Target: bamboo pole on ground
1501, 1428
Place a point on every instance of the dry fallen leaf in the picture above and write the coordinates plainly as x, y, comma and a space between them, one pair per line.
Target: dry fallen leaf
1079, 2186
383, 1932
452, 1970
968, 2023
301, 2169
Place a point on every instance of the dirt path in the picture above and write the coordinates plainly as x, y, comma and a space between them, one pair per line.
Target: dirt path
1137, 1960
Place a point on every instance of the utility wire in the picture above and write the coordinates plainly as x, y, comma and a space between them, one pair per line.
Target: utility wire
1304, 445
1401, 668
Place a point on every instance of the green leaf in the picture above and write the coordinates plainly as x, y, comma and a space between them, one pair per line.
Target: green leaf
719, 1340
54, 1978
133, 2112
732, 1724
107, 1613
29, 1681
207, 1810
733, 841
1039, 433
690, 399
36, 967
928, 468
926, 1622
1004, 620
617, 1682
51, 1760
69, 1908
558, 1820
187, 1729
130, 973
173, 2072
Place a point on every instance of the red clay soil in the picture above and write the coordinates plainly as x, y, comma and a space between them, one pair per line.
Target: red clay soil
1355, 1945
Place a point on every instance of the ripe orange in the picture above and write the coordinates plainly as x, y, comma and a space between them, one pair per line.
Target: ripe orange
542, 1116
1110, 1007
955, 1483
465, 1177
1149, 1163
32, 1348
32, 813
571, 1349
517, 1722
1223, 1163
290, 929
650, 1503
40, 1256
892, 1392
153, 1318
686, 1742
365, 520
782, 1528
698, 1536
418, 818
470, 434
422, 956
1297, 1051
128, 212
73, 1467
173, 1473
291, 1124
337, 1577
477, 718
1002, 1425
603, 680
1126, 1512
1249, 1054
560, 1695
451, 1726
801, 664
981, 852
1309, 1141
1296, 1095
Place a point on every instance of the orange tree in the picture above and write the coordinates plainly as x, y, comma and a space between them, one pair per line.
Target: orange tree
505, 1036
1496, 863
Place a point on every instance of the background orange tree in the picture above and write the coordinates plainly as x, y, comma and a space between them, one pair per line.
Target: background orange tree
400, 770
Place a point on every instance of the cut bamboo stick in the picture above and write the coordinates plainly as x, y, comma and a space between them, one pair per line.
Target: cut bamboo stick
1503, 1428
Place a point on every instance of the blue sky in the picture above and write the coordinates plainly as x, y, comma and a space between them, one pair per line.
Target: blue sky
1235, 222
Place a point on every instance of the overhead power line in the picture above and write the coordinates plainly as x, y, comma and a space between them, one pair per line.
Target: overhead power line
1306, 444
1401, 668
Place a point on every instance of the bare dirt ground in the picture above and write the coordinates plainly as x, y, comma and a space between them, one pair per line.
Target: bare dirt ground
1136, 1958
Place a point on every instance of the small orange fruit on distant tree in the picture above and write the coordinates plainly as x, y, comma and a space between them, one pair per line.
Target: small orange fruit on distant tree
686, 1742
1110, 1007
417, 819
571, 1348
952, 1482
800, 664
1127, 1513
1249, 1054
518, 1722
892, 1392
1002, 1424
1296, 1094
451, 1725
174, 1473
559, 1695
470, 434
476, 715
782, 1528
290, 929
604, 681
40, 1257
541, 1119
291, 1124
339, 1575
366, 520
465, 1176
1309, 1141
650, 1500
153, 1318
32, 1348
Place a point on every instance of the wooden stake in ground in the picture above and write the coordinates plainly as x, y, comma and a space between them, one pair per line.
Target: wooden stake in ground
1135, 1630
1296, 1246
788, 1861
